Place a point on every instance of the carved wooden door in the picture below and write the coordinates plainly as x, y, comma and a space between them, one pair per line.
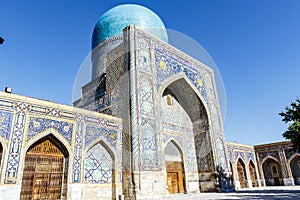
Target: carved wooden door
43, 173
172, 180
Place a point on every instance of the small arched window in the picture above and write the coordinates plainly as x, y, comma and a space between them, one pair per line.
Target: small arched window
169, 100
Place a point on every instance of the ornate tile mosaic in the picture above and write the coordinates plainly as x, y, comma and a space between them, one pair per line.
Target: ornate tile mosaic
98, 165
5, 123
148, 145
78, 147
16, 142
238, 154
262, 155
95, 133
168, 65
249, 156
203, 153
38, 125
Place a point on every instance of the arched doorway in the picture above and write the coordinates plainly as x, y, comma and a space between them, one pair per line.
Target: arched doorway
183, 108
242, 173
295, 168
45, 170
174, 168
272, 172
253, 175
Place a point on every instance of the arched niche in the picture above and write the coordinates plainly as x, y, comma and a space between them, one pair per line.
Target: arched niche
272, 172
99, 164
100, 171
174, 168
295, 168
45, 172
242, 175
182, 107
253, 173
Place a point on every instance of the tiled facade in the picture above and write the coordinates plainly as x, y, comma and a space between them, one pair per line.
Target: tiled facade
24, 121
149, 114
273, 164
159, 71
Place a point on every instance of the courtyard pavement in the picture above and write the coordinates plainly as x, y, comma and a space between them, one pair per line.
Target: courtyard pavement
268, 193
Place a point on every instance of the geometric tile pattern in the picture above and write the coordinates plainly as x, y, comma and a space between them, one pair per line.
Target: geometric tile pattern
274, 154
168, 65
78, 146
203, 152
145, 139
38, 125
95, 133
15, 146
238, 154
190, 157
250, 156
98, 165
148, 144
5, 124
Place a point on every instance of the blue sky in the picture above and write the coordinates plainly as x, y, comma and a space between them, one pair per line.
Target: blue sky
255, 44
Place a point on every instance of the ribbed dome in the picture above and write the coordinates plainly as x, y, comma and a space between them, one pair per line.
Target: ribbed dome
116, 19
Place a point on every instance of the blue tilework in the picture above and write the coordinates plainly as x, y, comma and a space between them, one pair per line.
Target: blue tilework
38, 125
94, 133
5, 124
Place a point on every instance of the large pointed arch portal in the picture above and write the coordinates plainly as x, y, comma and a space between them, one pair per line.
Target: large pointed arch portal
45, 170
184, 114
182, 92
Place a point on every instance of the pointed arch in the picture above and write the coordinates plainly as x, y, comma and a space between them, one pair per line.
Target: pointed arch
241, 170
294, 164
177, 77
172, 143
105, 144
99, 163
293, 156
272, 171
253, 173
55, 134
46, 162
239, 157
194, 109
175, 142
174, 167
269, 157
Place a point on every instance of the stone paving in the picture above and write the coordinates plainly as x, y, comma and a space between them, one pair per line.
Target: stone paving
267, 193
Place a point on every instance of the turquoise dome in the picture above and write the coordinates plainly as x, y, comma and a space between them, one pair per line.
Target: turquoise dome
116, 19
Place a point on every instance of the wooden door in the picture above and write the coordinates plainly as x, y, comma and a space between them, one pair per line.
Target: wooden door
242, 174
252, 174
172, 179
43, 173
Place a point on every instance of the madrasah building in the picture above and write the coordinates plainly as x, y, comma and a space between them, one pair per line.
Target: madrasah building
147, 125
